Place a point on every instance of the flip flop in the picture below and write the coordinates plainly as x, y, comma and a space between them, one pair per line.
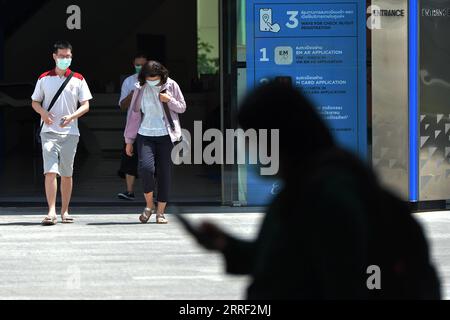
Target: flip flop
67, 220
49, 221
146, 215
161, 219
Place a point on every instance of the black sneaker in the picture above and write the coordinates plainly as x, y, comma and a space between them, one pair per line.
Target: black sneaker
126, 196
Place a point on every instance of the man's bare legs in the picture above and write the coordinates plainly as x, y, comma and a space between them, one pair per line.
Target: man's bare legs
66, 194
130, 183
51, 188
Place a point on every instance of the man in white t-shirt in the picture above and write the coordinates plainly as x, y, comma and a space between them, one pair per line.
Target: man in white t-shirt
128, 165
60, 134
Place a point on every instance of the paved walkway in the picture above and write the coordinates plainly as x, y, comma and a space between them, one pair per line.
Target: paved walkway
113, 256
437, 228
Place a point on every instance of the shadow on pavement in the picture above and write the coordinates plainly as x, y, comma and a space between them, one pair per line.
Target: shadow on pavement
21, 224
116, 223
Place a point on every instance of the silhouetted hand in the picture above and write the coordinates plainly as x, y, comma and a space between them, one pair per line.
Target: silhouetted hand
211, 237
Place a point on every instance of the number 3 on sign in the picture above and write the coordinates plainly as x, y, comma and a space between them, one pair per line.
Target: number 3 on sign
293, 21
264, 55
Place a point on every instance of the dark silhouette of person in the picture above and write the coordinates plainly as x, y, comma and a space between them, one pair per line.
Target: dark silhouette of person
329, 224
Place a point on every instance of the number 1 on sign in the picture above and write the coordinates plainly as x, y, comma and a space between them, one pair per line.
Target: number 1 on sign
264, 57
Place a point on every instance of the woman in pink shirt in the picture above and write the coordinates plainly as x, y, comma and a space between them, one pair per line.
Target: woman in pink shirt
155, 130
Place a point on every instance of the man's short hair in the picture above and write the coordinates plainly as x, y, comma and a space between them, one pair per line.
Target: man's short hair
61, 45
140, 55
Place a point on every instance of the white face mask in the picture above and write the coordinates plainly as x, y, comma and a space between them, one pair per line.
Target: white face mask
153, 83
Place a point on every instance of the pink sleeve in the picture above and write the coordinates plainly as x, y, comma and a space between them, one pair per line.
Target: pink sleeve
177, 103
134, 119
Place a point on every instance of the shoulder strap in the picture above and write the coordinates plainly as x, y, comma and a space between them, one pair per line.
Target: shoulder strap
60, 90
58, 93
168, 114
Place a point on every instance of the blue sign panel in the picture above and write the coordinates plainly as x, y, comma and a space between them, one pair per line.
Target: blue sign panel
320, 47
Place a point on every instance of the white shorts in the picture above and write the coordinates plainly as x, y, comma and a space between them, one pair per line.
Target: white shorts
58, 153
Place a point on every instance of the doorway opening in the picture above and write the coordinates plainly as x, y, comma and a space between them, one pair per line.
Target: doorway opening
183, 35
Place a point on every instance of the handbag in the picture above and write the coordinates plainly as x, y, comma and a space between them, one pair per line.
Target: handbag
52, 103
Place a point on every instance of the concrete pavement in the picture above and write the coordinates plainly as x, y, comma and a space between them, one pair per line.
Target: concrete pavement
437, 228
112, 256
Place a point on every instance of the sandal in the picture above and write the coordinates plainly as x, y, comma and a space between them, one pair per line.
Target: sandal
161, 219
145, 216
49, 221
67, 219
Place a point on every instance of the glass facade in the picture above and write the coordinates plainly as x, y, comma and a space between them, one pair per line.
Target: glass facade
388, 103
434, 97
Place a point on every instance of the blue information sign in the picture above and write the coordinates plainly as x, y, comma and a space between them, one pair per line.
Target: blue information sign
320, 46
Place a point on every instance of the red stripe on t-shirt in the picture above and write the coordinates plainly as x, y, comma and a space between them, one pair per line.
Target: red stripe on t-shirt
50, 73
78, 76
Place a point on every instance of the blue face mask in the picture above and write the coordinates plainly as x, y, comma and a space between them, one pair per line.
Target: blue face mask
63, 64
153, 83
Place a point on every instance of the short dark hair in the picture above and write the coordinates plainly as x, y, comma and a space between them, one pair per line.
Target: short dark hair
61, 45
153, 69
140, 55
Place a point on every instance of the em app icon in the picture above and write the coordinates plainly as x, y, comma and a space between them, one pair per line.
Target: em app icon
284, 55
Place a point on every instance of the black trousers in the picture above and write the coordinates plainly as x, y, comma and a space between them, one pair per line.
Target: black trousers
129, 165
155, 158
